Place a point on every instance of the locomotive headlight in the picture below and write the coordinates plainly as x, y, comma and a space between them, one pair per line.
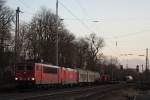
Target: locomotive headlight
16, 78
32, 78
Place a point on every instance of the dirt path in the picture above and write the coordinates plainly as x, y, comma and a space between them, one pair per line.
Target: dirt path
124, 94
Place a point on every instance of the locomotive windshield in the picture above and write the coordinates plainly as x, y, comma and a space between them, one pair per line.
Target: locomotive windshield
29, 67
20, 68
24, 68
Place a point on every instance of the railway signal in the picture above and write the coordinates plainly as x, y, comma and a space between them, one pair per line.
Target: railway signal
137, 68
121, 67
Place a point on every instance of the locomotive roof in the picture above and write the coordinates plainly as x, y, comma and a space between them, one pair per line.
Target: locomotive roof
24, 63
48, 65
70, 69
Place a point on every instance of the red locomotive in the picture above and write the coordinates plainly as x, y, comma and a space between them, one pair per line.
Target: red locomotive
45, 74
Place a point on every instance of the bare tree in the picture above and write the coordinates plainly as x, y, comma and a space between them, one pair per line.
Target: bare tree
42, 35
41, 39
82, 53
66, 48
6, 16
95, 46
6, 56
23, 41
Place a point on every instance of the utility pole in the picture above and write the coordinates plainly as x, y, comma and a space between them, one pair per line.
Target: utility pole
17, 33
57, 33
127, 64
147, 61
112, 69
142, 68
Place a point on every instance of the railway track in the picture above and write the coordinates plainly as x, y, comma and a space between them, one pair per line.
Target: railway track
78, 93
88, 93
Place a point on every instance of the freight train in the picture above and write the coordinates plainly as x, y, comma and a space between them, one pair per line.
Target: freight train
46, 74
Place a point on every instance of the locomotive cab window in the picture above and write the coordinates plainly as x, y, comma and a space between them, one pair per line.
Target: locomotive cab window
49, 70
19, 68
24, 68
29, 67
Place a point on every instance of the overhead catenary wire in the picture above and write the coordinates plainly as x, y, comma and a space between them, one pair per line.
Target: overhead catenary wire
133, 52
85, 19
82, 8
26, 6
121, 36
30, 14
79, 20
76, 18
84, 11
127, 35
115, 52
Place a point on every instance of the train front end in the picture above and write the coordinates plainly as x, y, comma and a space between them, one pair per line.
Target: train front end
25, 74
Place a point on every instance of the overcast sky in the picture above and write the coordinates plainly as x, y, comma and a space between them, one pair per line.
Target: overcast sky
122, 22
